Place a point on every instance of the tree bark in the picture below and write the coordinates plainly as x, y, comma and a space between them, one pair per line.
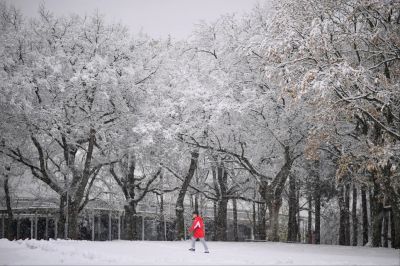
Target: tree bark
262, 211
347, 214
10, 218
179, 209
317, 207
160, 225
292, 219
298, 216
309, 224
235, 221
196, 195
342, 215
196, 202
62, 218
274, 208
392, 205
130, 186
395, 227
222, 212
273, 195
354, 217
73, 221
131, 221
78, 187
365, 224
376, 217
385, 228
254, 221
262, 221
215, 209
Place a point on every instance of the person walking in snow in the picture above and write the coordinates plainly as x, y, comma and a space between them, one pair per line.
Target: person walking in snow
198, 232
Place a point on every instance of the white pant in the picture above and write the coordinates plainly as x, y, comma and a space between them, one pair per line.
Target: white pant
201, 240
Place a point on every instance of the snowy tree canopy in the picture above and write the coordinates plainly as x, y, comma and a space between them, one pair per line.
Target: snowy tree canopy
290, 109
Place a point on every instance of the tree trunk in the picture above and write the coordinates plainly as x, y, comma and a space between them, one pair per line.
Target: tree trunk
392, 205
235, 221
377, 215
309, 224
215, 204
342, 215
62, 218
160, 224
317, 203
354, 217
298, 216
222, 204
128, 188
10, 231
222, 220
131, 222
179, 209
395, 226
385, 228
262, 221
254, 222
73, 221
196, 202
370, 194
262, 211
365, 225
347, 214
221, 188
274, 208
134, 192
196, 196
273, 195
292, 221
79, 185
215, 208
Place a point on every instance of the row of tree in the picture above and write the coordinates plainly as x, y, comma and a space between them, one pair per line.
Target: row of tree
293, 108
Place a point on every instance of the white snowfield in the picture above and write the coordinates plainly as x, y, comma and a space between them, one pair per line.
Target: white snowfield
69, 252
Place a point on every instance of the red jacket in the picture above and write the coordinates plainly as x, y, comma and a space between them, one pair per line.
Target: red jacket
197, 227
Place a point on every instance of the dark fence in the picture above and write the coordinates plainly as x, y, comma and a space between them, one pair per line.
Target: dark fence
105, 225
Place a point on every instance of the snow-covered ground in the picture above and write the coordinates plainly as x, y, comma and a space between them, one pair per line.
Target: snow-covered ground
56, 252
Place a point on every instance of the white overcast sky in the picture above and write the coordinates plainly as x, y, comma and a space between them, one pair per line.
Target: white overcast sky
158, 18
